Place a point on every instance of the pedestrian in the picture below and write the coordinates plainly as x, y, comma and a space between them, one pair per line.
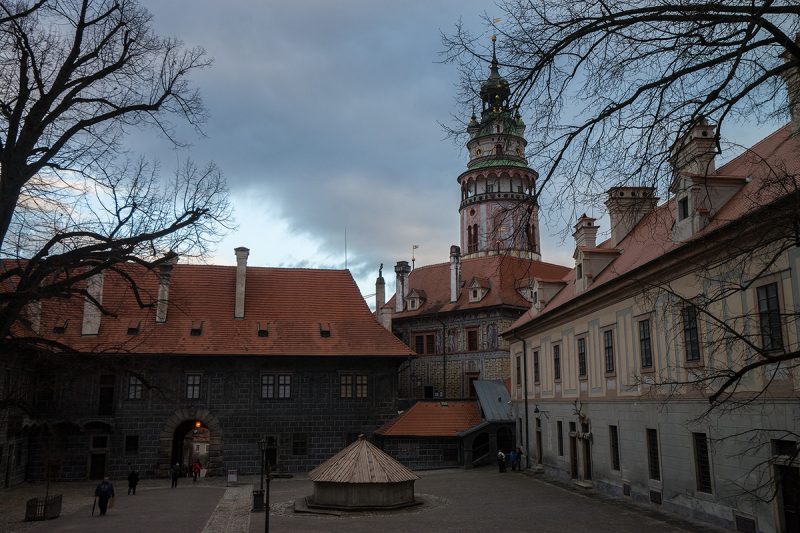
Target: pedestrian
104, 492
196, 470
176, 472
501, 460
133, 480
513, 458
519, 460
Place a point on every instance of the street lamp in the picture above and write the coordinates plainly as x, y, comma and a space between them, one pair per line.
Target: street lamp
258, 495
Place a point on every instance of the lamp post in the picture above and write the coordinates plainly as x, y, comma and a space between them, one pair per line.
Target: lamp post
266, 501
258, 495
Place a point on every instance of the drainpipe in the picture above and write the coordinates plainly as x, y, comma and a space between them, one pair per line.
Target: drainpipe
444, 357
525, 395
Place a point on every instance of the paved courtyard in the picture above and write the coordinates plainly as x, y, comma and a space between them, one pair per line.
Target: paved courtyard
457, 500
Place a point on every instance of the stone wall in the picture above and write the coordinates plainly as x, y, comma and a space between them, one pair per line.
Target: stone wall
423, 452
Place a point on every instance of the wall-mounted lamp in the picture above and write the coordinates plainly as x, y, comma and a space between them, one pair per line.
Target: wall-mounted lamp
536, 411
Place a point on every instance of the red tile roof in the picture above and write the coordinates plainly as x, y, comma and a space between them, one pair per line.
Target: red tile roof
432, 419
765, 163
294, 304
500, 271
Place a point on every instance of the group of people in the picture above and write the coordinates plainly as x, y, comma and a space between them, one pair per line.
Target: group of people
194, 469
516, 460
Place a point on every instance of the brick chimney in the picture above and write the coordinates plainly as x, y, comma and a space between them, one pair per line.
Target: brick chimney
401, 290
241, 276
791, 78
585, 232
165, 270
455, 273
91, 313
626, 207
695, 152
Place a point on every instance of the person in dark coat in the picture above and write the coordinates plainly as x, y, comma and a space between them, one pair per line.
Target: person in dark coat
176, 472
104, 492
133, 480
501, 460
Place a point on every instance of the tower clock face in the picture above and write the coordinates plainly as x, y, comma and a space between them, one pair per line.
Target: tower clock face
478, 152
519, 151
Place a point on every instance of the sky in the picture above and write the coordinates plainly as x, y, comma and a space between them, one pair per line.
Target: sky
326, 119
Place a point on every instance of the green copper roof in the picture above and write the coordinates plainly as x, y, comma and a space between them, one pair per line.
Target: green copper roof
498, 163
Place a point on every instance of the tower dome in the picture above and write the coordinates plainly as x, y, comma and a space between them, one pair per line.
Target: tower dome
498, 211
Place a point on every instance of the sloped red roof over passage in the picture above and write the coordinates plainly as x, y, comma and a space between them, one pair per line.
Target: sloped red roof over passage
434, 419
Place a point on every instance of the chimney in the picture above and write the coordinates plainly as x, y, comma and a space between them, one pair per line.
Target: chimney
585, 232
384, 316
626, 207
695, 152
91, 312
163, 290
791, 78
455, 273
401, 290
241, 276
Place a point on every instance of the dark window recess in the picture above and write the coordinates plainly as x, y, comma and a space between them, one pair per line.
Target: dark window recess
655, 497
613, 435
134, 329
60, 329
323, 332
105, 406
53, 469
702, 462
472, 340
427, 392
691, 341
557, 362
450, 455
745, 524
538, 422
683, 209
196, 331
608, 346
652, 456
519, 371
430, 343
262, 332
784, 447
536, 367
644, 343
131, 444
299, 444
581, 357
419, 344
100, 441
572, 427
579, 274
560, 429
770, 317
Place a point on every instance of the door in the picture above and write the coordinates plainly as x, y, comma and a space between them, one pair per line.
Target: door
573, 457
97, 466
790, 490
539, 450
587, 459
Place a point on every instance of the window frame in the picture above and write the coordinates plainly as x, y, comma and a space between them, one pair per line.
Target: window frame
519, 369
275, 386
198, 385
556, 350
689, 318
653, 454
645, 363
536, 369
583, 370
706, 486
770, 314
300, 444
351, 389
135, 389
467, 333
560, 437
608, 352
613, 446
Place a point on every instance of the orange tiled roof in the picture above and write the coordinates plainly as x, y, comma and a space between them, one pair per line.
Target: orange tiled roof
432, 419
778, 154
294, 304
501, 271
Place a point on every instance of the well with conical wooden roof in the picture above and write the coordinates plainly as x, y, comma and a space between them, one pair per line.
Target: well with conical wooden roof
362, 477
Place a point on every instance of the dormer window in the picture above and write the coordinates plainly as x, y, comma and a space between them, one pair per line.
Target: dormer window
579, 275
262, 332
683, 208
60, 328
324, 333
474, 296
196, 330
133, 329
413, 304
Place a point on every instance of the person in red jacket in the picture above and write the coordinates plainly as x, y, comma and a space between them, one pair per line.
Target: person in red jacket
196, 470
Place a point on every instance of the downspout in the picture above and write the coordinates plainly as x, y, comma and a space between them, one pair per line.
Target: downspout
525, 395
444, 357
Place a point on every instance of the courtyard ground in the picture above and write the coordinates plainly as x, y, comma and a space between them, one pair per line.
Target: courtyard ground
456, 500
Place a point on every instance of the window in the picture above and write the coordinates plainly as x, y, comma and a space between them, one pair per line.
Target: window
105, 406
345, 386
608, 347
193, 387
770, 317
690, 338
134, 329
784, 447
269, 389
361, 386
536, 367
267, 386
557, 362
579, 273
582, 357
299, 444
196, 330
419, 344
613, 436
284, 386
206, 448
683, 209
519, 371
490, 188
702, 463
134, 388
131, 444
430, 343
652, 455
560, 429
197, 447
472, 340
644, 343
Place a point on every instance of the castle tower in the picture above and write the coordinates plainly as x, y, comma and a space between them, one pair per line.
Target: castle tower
498, 212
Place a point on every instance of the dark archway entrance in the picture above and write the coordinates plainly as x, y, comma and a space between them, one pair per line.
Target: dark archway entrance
480, 449
177, 426
182, 442
505, 440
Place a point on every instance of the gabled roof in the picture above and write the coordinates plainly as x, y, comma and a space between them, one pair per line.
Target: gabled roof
778, 154
361, 462
292, 303
494, 399
483, 283
500, 270
434, 419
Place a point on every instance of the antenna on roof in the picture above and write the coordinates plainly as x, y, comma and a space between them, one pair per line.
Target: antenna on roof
345, 248
412, 255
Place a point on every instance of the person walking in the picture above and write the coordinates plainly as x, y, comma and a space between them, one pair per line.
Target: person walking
176, 472
501, 461
196, 470
103, 493
519, 460
133, 480
513, 458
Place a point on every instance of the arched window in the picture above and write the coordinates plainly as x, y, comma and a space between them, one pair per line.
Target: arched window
474, 238
531, 237
469, 239
498, 149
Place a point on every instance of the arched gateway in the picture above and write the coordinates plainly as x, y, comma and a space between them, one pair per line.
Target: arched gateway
176, 427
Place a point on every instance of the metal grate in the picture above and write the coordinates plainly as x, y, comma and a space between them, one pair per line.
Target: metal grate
626, 489
745, 524
652, 454
702, 462
655, 497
